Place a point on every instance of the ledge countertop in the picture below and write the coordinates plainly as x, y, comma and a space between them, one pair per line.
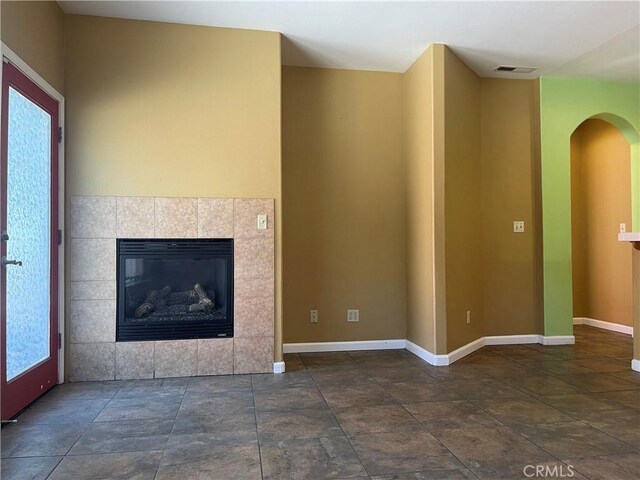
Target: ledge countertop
629, 237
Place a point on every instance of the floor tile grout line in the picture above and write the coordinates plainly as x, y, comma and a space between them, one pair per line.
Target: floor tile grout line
83, 432
577, 419
255, 419
397, 403
440, 442
531, 440
339, 425
53, 469
172, 428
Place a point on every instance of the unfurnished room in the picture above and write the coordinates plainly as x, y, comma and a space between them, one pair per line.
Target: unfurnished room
320, 240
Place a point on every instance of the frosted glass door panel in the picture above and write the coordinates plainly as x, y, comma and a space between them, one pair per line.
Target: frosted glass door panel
28, 226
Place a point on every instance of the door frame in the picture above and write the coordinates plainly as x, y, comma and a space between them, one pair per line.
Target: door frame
9, 55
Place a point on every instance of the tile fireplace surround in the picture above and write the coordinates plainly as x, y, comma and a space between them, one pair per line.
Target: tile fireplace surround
96, 222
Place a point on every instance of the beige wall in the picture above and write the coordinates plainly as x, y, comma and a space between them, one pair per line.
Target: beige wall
601, 200
35, 32
343, 204
463, 223
418, 156
509, 192
174, 110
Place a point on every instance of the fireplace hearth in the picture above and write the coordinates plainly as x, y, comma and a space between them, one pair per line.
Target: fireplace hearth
171, 289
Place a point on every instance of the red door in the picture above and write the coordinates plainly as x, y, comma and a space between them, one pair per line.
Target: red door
29, 245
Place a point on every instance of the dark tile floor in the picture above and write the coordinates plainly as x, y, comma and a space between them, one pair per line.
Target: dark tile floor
378, 415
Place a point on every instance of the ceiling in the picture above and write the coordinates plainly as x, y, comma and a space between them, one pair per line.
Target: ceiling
592, 39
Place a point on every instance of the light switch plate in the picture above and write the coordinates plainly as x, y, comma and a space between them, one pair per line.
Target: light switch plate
623, 228
518, 226
262, 222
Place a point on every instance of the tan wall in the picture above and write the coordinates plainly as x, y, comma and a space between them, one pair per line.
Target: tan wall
601, 196
343, 204
418, 155
463, 223
174, 110
509, 160
35, 32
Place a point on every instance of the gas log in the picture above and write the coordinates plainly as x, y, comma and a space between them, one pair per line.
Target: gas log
195, 300
205, 304
154, 300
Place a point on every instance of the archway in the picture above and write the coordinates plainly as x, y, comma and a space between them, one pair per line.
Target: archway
600, 204
564, 105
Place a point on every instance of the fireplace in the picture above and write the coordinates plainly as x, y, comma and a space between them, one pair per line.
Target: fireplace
172, 289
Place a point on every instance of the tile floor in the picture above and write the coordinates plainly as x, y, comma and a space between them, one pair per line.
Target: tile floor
361, 415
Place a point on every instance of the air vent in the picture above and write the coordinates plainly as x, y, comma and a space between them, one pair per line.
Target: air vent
513, 69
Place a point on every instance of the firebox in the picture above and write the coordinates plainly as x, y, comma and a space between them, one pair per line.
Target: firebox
171, 289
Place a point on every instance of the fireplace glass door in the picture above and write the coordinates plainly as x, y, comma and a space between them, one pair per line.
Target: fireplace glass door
175, 289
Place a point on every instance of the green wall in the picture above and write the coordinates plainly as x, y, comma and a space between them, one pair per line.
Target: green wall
565, 104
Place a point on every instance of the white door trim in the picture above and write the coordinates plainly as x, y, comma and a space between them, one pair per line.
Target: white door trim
21, 65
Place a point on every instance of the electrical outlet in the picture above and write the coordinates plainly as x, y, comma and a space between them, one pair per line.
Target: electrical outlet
518, 226
623, 228
468, 316
262, 222
313, 316
353, 315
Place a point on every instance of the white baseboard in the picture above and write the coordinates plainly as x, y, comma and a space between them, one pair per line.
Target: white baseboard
614, 327
278, 367
512, 339
635, 365
465, 350
343, 346
557, 340
426, 355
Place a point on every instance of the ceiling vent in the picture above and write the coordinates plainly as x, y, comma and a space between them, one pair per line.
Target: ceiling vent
513, 69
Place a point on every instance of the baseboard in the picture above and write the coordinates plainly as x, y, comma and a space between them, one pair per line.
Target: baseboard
343, 346
635, 365
278, 367
465, 350
557, 340
614, 327
426, 355
512, 339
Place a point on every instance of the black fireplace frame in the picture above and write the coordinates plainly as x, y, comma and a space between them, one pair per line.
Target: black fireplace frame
172, 248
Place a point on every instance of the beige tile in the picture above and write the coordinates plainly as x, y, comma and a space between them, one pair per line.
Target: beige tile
253, 317
135, 217
215, 218
215, 356
176, 217
92, 259
93, 321
134, 360
95, 290
253, 287
92, 217
246, 218
176, 358
253, 258
253, 355
92, 361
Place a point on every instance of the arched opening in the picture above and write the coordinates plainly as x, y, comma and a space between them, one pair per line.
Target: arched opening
601, 204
